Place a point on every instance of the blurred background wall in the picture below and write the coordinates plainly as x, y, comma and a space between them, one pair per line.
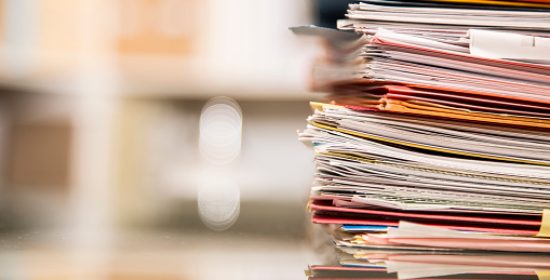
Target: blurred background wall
101, 103
122, 119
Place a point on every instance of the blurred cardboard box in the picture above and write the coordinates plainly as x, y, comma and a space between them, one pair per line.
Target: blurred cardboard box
159, 27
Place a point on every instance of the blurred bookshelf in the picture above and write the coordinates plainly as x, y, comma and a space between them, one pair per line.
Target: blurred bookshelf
100, 107
102, 101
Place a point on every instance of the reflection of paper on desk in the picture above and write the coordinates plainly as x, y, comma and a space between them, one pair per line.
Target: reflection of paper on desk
415, 270
506, 45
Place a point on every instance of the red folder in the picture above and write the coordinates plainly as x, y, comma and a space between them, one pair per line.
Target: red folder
327, 219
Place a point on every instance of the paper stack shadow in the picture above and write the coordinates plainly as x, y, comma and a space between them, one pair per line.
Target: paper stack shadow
432, 149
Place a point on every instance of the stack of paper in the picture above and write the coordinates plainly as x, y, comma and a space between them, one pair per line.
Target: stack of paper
434, 144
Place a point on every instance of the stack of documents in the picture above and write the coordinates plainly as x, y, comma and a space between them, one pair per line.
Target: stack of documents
434, 144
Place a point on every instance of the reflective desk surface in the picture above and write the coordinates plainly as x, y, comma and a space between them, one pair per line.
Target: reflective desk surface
202, 254
152, 255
